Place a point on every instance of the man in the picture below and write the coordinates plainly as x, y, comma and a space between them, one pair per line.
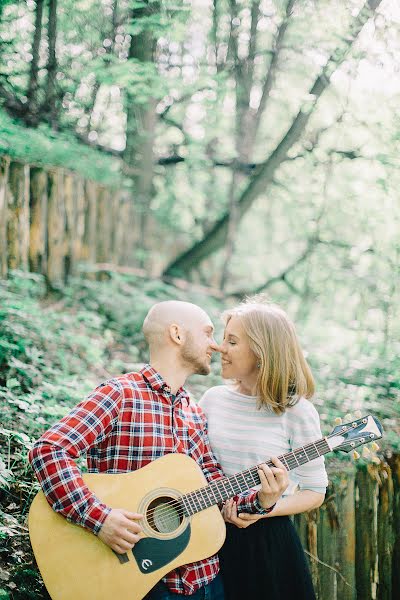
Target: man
131, 420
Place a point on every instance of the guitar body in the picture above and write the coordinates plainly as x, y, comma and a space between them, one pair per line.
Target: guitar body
76, 565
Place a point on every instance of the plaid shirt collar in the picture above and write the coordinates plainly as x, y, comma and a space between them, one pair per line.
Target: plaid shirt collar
158, 384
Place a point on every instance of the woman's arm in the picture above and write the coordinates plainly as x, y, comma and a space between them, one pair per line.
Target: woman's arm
301, 501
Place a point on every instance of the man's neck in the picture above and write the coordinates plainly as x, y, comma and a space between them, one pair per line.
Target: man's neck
174, 375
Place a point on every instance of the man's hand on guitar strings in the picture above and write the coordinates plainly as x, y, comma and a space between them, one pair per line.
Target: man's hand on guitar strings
121, 530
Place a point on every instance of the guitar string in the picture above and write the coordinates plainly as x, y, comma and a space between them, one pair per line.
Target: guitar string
178, 504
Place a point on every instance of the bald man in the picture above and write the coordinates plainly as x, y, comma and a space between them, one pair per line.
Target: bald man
127, 422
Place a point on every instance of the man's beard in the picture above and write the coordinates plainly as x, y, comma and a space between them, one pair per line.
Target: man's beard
190, 356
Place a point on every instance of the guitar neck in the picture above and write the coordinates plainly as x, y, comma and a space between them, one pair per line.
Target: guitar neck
226, 487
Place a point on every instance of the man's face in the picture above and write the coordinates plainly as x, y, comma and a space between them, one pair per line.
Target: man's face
199, 346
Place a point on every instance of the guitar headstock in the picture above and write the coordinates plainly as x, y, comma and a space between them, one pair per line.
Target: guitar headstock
347, 436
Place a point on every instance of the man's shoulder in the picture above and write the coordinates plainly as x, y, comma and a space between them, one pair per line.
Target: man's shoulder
124, 381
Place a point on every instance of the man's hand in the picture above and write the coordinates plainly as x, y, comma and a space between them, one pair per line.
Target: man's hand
274, 482
121, 530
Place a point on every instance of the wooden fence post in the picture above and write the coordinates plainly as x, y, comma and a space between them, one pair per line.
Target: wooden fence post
116, 227
56, 229
4, 171
366, 494
394, 463
104, 220
38, 220
327, 545
346, 535
18, 216
90, 229
79, 229
385, 533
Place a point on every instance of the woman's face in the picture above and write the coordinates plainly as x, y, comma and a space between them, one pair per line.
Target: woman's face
237, 358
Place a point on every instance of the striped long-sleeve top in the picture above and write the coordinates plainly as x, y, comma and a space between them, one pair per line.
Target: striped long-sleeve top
242, 436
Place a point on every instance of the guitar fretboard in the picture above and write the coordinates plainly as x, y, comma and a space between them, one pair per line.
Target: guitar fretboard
222, 489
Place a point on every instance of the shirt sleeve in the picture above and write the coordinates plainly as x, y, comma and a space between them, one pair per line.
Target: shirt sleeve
247, 501
304, 427
53, 456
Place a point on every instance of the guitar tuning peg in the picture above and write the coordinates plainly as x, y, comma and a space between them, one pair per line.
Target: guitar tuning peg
366, 453
338, 421
356, 455
348, 417
374, 447
376, 460
358, 414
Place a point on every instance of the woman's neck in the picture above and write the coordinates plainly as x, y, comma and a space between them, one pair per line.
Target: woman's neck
247, 388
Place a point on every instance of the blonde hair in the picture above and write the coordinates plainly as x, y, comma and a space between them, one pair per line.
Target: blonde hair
284, 375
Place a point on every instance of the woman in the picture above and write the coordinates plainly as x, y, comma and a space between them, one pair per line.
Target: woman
264, 412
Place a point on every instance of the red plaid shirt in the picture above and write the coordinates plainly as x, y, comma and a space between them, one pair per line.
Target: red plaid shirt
124, 424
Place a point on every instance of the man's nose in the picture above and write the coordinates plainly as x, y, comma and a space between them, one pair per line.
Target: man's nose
216, 347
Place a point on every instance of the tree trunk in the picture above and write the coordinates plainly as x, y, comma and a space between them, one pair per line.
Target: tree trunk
263, 177
140, 134
31, 94
50, 109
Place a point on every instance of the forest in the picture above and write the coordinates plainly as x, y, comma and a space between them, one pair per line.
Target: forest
202, 150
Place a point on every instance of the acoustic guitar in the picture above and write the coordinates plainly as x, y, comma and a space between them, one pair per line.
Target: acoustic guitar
182, 522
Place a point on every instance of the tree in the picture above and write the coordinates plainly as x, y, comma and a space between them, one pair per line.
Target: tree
263, 177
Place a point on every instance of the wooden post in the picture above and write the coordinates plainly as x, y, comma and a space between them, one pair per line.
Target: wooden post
103, 238
4, 172
366, 493
346, 535
327, 545
18, 216
55, 230
385, 533
38, 220
116, 227
125, 233
312, 518
90, 229
394, 462
70, 219
79, 195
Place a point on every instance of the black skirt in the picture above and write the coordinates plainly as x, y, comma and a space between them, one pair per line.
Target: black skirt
265, 561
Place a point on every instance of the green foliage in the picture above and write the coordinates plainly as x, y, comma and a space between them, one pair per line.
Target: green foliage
44, 147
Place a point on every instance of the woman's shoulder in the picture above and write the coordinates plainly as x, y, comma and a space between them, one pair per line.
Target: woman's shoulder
303, 408
212, 393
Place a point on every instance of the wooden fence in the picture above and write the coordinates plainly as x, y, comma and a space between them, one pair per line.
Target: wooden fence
353, 540
51, 219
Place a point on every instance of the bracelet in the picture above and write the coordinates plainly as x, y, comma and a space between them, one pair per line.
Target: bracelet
260, 509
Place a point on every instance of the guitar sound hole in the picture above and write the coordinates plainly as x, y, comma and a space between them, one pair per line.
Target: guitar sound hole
164, 514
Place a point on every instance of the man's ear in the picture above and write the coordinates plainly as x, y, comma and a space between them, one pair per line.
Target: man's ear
176, 334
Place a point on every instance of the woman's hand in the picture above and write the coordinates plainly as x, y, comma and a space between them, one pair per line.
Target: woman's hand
229, 512
274, 482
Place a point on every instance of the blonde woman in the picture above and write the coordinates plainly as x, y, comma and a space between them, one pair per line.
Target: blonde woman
264, 412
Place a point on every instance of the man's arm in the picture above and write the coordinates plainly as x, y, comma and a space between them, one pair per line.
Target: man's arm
53, 456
